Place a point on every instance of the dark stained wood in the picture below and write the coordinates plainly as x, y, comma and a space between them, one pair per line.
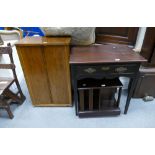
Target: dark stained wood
118, 31
101, 61
94, 97
153, 57
104, 54
91, 99
120, 35
105, 112
119, 96
146, 83
146, 79
149, 45
5, 50
7, 66
6, 105
81, 94
6, 95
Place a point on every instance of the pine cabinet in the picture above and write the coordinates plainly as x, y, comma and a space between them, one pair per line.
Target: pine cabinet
45, 63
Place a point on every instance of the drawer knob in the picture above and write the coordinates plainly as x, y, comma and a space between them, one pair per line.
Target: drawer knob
90, 70
121, 69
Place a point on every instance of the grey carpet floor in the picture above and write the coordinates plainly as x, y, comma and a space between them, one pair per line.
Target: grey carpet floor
140, 115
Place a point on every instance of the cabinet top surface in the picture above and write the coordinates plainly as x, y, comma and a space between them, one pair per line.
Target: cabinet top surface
104, 54
37, 41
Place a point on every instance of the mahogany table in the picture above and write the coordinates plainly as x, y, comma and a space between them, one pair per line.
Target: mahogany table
105, 61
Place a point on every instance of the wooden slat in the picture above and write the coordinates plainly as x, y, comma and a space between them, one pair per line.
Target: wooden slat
13, 96
100, 99
104, 112
81, 93
5, 50
91, 99
7, 66
119, 96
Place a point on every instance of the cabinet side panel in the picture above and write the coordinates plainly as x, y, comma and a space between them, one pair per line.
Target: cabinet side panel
145, 86
32, 62
57, 63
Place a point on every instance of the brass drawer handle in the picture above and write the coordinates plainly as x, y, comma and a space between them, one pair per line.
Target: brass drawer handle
121, 69
90, 70
105, 68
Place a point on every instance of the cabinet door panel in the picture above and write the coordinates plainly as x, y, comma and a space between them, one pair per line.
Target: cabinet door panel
57, 63
121, 35
148, 47
32, 61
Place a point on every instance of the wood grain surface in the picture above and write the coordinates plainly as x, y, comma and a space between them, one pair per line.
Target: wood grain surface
104, 53
45, 62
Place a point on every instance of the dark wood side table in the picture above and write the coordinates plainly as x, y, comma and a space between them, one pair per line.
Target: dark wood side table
104, 61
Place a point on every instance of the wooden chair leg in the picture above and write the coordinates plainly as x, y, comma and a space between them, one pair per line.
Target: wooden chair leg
20, 91
13, 96
6, 106
9, 112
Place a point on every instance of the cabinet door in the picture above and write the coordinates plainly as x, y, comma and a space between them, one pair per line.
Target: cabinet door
33, 64
148, 47
145, 86
57, 63
121, 35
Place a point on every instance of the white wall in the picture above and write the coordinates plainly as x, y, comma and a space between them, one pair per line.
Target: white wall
140, 39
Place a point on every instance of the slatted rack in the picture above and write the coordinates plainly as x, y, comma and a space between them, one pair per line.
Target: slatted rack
99, 97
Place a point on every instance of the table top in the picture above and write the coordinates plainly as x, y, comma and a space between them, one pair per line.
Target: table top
37, 41
110, 53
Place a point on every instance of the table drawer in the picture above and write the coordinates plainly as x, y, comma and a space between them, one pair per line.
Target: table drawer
107, 69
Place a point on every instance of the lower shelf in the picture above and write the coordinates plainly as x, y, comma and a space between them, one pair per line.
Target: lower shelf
99, 97
104, 112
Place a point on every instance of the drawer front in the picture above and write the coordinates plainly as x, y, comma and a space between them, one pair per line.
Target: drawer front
106, 69
124, 69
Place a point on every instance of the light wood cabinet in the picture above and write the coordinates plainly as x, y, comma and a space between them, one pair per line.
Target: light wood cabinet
45, 62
